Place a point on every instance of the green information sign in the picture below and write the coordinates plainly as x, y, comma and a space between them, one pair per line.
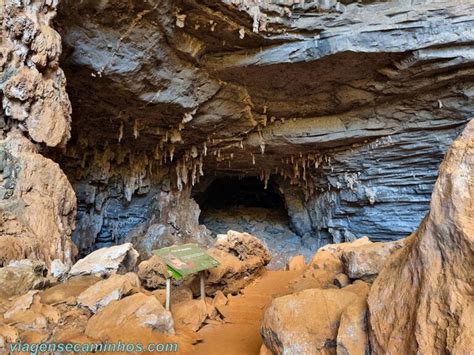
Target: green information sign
186, 259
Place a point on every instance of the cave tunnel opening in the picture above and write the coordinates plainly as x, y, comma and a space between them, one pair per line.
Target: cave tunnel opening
228, 192
245, 205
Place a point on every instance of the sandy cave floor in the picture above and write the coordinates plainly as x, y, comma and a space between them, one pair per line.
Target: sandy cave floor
240, 335
270, 226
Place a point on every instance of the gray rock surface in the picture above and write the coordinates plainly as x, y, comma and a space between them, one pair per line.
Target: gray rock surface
354, 104
106, 261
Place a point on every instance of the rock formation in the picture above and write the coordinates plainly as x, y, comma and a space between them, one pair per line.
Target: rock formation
347, 109
341, 111
37, 202
422, 300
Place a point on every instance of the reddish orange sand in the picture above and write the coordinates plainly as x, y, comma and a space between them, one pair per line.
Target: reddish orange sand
243, 314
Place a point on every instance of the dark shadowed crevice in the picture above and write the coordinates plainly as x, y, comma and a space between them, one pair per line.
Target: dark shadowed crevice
245, 205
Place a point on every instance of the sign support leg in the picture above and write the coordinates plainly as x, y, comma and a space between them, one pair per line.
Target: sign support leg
168, 294
203, 291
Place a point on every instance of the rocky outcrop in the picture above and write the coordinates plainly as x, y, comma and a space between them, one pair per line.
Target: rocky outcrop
36, 216
107, 261
307, 322
366, 261
241, 256
34, 87
21, 276
430, 278
104, 292
153, 273
348, 108
136, 311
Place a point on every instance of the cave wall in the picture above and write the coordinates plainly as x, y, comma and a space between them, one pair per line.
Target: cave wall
37, 202
350, 107
347, 107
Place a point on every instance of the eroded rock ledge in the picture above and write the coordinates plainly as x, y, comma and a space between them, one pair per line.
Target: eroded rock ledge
346, 108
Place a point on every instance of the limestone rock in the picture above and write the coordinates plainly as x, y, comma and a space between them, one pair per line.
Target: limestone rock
318, 278
153, 273
219, 299
365, 261
103, 292
243, 245
58, 269
352, 335
8, 335
107, 261
135, 311
190, 314
69, 289
21, 276
306, 322
39, 216
296, 263
428, 279
341, 280
29, 314
241, 258
35, 89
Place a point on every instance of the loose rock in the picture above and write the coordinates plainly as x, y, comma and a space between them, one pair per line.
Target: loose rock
114, 288
107, 261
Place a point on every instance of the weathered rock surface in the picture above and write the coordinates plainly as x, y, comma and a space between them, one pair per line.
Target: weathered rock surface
153, 273
28, 314
58, 269
430, 279
135, 311
296, 263
68, 290
36, 216
306, 322
33, 85
352, 335
21, 276
355, 104
104, 292
241, 258
244, 246
191, 314
366, 261
107, 261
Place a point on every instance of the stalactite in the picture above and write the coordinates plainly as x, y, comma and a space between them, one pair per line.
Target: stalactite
120, 136
136, 132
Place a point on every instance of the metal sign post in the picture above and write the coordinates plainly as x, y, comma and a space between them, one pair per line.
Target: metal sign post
168, 293
201, 281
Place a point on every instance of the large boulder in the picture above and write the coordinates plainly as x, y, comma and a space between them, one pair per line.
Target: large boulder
135, 311
366, 261
352, 335
107, 261
103, 292
153, 273
68, 290
306, 322
243, 245
241, 257
422, 301
21, 276
190, 314
27, 313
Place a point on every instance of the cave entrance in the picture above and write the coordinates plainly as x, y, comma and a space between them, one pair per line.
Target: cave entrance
245, 205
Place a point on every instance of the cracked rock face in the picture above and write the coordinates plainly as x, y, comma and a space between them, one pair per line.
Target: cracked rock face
346, 108
430, 277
